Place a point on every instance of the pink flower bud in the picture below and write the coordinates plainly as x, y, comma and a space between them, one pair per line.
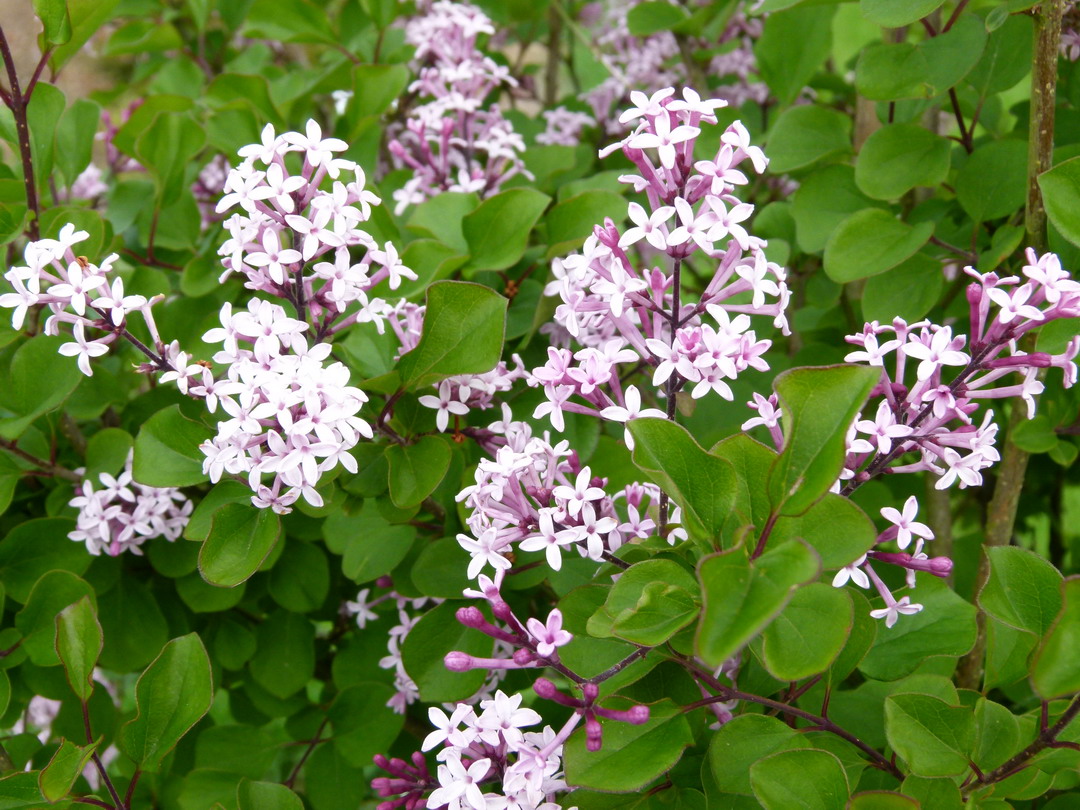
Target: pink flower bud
545, 688
457, 661
594, 733
471, 617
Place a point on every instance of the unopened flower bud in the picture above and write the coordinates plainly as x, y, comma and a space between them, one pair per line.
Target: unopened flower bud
471, 617
457, 661
545, 688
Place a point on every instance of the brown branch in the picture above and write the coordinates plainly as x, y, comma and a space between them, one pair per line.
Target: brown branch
46, 467
18, 110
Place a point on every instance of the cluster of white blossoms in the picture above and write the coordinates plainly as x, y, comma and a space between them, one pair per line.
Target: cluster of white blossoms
292, 416
487, 761
122, 514
76, 291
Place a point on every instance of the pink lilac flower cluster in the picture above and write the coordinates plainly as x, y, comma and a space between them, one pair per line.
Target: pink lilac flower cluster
486, 760
77, 292
122, 514
538, 496
563, 127
923, 408
622, 315
291, 416
455, 140
653, 62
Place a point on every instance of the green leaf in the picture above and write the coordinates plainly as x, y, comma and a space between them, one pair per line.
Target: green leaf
498, 231
899, 157
1006, 58
107, 451
462, 334
881, 800
819, 405
172, 695
945, 626
741, 598
740, 743
55, 20
43, 114
651, 601
908, 291
86, 17
442, 216
1023, 591
284, 659
75, 138
940, 793
228, 88
37, 620
167, 450
793, 44
573, 219
701, 484
132, 625
893, 72
809, 633
872, 241
824, 200
803, 778
58, 777
372, 547
835, 527
1055, 672
952, 55
653, 16
752, 462
632, 755
288, 21
300, 579
933, 738
417, 469
38, 380
240, 539
266, 796
438, 570
806, 134
375, 88
364, 723
897, 13
997, 735
20, 790
1061, 195
223, 492
424, 648
78, 645
35, 547
993, 181
165, 148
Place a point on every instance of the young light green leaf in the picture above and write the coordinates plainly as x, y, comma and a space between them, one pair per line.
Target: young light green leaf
819, 405
934, 738
835, 527
462, 334
872, 241
701, 484
741, 598
1023, 591
498, 231
809, 633
54, 19
171, 696
805, 778
806, 134
241, 537
78, 645
58, 777
37, 621
899, 157
1055, 672
652, 601
1061, 195
167, 450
